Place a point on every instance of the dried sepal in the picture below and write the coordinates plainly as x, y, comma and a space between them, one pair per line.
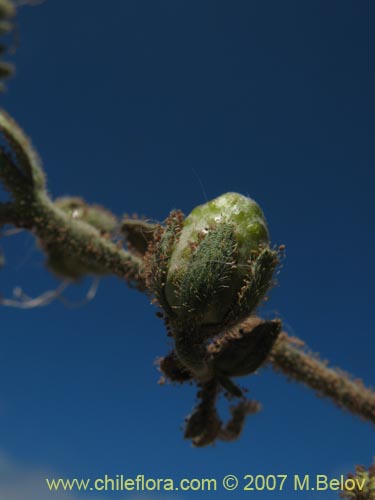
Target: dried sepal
138, 234
243, 350
203, 425
235, 425
191, 350
173, 369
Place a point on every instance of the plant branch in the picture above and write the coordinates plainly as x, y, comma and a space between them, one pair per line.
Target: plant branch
84, 241
74, 237
291, 358
78, 246
85, 247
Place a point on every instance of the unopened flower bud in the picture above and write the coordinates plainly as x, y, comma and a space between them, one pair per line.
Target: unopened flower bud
221, 264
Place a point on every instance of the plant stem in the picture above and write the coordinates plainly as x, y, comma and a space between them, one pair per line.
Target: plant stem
289, 357
81, 239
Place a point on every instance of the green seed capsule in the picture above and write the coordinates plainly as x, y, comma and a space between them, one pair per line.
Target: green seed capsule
214, 271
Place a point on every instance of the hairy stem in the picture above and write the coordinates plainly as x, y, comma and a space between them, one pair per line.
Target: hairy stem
79, 238
289, 358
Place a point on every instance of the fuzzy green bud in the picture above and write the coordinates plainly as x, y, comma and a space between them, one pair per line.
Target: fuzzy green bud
214, 272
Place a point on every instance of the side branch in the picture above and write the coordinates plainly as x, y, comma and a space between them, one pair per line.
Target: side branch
75, 236
80, 239
289, 358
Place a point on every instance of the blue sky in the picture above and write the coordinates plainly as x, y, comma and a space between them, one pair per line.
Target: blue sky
145, 106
